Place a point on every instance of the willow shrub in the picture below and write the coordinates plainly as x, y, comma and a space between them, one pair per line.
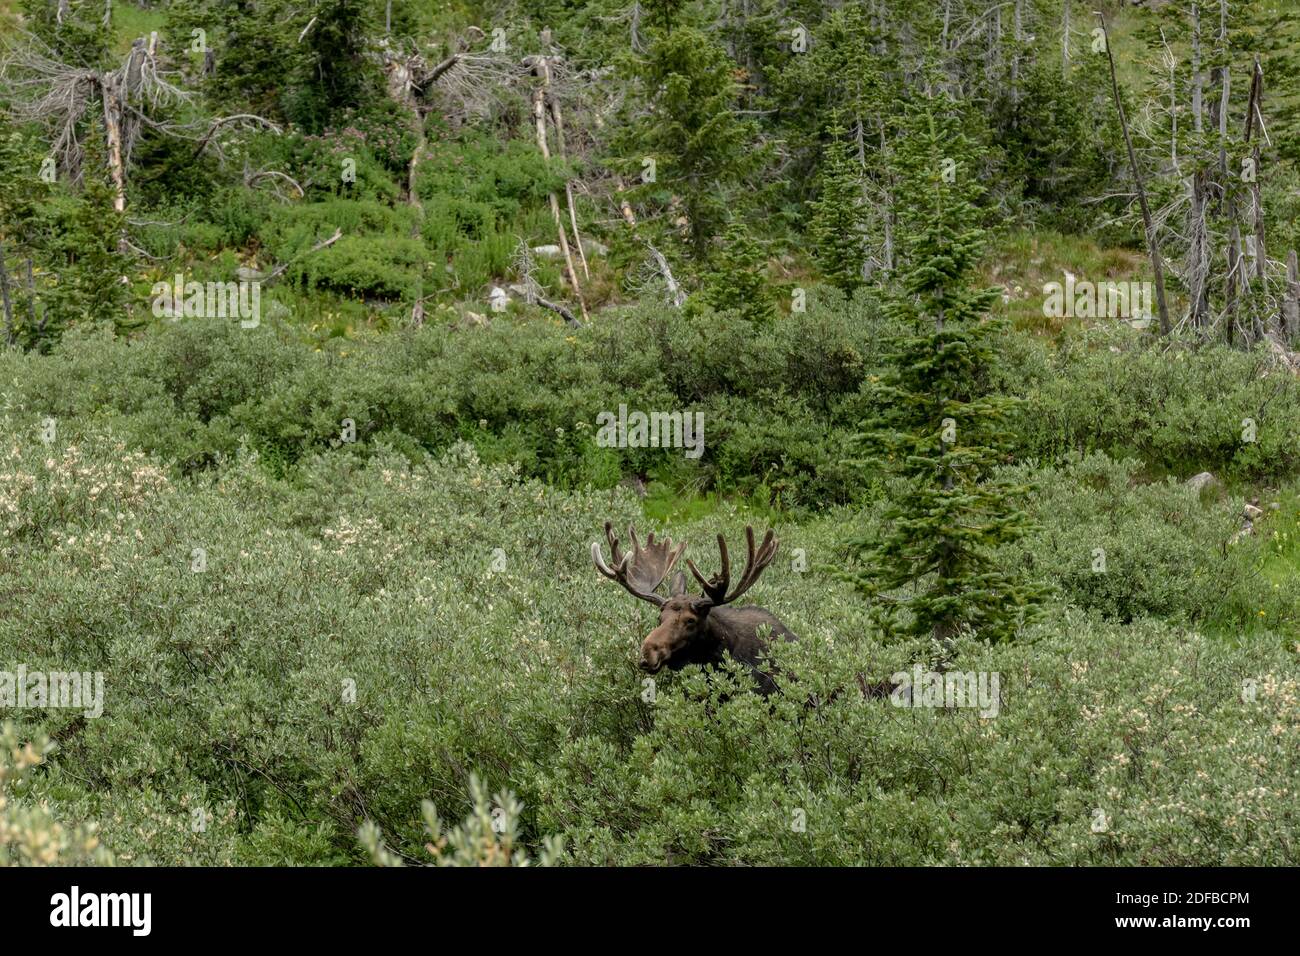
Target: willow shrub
1178, 409
287, 660
1128, 548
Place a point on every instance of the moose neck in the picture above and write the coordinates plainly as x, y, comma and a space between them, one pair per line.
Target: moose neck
736, 629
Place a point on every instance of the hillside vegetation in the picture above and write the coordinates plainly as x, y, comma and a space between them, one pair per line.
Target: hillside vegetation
328, 546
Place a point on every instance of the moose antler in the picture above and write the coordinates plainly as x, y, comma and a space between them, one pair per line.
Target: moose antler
642, 570
716, 589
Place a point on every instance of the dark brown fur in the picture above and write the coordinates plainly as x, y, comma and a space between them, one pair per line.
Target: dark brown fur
691, 631
704, 629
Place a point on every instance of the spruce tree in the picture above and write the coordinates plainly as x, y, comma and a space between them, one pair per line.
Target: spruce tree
937, 425
738, 278
683, 120
836, 227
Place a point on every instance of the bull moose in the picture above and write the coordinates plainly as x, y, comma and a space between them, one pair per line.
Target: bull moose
696, 629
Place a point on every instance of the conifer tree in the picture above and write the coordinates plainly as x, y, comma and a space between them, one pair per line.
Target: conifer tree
836, 227
738, 279
685, 124
937, 424
75, 32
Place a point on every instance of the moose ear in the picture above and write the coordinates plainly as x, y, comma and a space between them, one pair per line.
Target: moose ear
678, 585
701, 607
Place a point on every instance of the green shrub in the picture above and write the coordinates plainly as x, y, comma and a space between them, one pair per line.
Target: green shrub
1178, 410
30, 835
356, 640
1125, 549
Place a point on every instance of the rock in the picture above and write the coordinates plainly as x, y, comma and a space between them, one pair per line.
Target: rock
1203, 480
1251, 512
547, 252
593, 248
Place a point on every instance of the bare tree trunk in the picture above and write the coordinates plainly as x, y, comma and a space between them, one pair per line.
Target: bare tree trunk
1230, 283
1017, 39
558, 120
1065, 38
1198, 264
1225, 96
1228, 200
994, 54
112, 100
1153, 246
861, 138
887, 213
1257, 201
1173, 102
1198, 256
412, 199
1291, 301
1197, 80
31, 298
539, 117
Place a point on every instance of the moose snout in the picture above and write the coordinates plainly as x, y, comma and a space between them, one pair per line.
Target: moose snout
651, 659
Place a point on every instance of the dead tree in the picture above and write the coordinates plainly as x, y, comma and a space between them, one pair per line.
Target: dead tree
676, 295
553, 105
542, 71
531, 290
1253, 118
1291, 300
1153, 246
46, 90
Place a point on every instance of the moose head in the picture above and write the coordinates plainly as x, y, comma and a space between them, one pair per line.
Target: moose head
694, 629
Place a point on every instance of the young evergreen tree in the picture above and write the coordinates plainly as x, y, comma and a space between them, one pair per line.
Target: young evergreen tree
684, 122
664, 14
836, 227
75, 32
91, 265
738, 279
937, 424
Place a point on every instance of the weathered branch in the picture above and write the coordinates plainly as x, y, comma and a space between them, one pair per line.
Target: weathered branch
279, 270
